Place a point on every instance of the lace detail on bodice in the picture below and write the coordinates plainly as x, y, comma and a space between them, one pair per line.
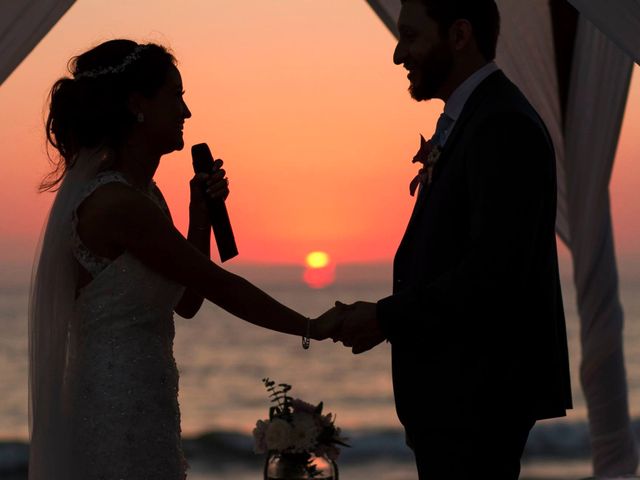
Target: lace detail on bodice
93, 263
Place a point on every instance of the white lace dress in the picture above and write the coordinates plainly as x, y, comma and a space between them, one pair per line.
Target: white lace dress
125, 407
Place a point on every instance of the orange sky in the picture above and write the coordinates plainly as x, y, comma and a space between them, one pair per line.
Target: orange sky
299, 97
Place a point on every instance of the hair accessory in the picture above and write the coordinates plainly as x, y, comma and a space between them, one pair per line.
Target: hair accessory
128, 60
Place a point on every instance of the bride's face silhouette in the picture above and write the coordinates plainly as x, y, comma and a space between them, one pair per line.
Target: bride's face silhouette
163, 115
422, 51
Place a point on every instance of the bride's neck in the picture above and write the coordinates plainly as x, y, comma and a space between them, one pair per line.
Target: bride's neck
137, 163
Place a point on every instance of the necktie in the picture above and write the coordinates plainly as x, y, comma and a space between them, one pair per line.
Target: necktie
425, 154
442, 128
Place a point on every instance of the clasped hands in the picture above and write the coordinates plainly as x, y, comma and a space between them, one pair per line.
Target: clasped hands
354, 325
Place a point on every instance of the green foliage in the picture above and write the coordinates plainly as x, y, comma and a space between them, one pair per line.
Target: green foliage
278, 394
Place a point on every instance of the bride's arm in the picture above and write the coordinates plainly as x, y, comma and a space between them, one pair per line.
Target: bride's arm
133, 222
199, 232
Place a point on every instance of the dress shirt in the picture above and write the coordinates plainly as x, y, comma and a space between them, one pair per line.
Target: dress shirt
455, 104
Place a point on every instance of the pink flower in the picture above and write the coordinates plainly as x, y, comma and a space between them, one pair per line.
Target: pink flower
302, 406
331, 451
426, 148
327, 420
428, 155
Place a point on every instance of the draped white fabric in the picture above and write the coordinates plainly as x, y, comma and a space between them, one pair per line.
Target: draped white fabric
585, 151
23, 23
600, 79
618, 19
526, 55
388, 11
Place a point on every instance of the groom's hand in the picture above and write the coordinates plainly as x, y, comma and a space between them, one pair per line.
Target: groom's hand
327, 325
360, 328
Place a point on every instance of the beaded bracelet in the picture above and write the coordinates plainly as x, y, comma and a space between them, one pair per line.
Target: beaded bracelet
306, 339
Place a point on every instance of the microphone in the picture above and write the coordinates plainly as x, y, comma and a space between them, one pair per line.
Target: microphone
203, 163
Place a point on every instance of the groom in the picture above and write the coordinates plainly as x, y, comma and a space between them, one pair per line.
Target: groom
475, 320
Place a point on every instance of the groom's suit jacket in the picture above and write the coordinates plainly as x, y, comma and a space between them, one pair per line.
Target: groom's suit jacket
476, 319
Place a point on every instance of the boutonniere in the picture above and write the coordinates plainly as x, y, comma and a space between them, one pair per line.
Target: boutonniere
428, 155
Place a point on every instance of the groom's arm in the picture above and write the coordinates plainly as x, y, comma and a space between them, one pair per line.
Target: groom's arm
511, 188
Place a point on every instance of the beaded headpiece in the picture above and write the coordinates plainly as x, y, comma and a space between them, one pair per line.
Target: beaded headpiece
126, 61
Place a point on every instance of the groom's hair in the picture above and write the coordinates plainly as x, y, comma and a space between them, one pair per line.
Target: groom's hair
483, 15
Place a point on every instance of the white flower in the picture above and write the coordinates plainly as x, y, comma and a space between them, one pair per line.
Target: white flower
305, 432
278, 435
260, 436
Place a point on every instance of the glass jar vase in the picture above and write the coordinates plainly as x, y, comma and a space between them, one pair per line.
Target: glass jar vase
299, 466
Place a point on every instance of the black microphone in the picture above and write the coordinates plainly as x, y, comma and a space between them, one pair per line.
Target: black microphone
203, 163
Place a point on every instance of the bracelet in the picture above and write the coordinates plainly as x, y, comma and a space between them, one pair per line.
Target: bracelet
306, 340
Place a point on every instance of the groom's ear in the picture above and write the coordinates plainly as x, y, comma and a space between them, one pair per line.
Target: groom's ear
461, 34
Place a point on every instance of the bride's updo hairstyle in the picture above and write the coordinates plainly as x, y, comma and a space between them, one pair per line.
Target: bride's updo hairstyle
90, 108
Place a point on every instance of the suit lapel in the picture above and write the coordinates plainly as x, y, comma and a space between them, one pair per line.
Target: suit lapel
471, 106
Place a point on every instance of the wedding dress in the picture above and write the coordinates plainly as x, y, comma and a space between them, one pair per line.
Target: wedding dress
118, 404
127, 421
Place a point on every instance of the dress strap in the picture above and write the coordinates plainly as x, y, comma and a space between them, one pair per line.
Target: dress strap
92, 262
156, 195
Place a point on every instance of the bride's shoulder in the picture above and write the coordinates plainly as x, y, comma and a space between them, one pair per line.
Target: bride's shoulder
95, 218
108, 196
111, 214
105, 187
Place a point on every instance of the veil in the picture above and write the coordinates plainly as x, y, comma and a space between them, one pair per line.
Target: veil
53, 328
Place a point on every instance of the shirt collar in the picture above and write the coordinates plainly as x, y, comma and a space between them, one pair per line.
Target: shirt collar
455, 104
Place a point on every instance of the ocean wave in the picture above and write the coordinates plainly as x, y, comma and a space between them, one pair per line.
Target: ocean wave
14, 459
546, 441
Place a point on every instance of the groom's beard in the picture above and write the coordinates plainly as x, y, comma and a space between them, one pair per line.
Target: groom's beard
432, 73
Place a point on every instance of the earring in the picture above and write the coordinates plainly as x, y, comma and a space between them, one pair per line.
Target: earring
140, 117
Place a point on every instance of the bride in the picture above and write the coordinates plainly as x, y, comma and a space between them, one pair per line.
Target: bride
112, 270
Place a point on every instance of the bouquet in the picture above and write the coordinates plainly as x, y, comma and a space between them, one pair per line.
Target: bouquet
297, 428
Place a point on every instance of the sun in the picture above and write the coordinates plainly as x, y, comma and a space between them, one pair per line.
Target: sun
320, 272
317, 260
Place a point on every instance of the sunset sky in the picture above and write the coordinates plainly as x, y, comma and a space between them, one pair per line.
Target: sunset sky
302, 101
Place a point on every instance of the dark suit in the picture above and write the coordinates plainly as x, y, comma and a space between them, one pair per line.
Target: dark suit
476, 320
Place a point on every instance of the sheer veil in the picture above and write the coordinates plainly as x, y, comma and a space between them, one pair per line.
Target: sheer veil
53, 329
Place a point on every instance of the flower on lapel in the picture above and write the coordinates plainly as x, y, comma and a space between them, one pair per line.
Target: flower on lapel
428, 155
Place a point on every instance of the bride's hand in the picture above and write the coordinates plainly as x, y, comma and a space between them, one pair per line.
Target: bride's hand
327, 325
203, 186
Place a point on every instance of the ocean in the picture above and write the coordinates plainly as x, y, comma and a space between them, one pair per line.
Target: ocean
223, 359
